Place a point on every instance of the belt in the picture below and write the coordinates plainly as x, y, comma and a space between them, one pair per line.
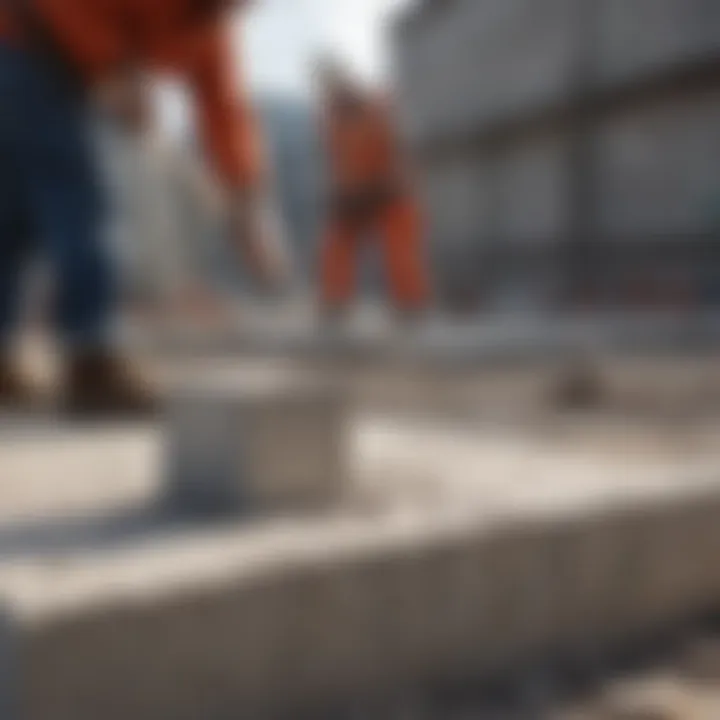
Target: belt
362, 204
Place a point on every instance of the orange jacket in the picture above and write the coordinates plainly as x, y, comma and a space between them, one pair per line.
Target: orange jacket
362, 145
103, 35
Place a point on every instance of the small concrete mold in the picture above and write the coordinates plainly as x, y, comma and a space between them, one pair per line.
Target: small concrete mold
271, 440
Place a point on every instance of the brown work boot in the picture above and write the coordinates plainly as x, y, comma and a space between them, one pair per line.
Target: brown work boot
15, 391
101, 384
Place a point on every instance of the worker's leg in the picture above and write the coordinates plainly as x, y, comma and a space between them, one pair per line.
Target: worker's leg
57, 160
401, 235
16, 240
70, 208
338, 270
15, 230
15, 246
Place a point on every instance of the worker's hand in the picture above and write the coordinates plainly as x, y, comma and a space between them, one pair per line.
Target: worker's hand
257, 233
124, 99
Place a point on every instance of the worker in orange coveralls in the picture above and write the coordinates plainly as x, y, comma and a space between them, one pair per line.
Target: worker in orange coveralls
60, 60
370, 196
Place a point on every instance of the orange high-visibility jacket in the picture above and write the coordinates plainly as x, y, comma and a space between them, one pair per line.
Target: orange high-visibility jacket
102, 36
362, 146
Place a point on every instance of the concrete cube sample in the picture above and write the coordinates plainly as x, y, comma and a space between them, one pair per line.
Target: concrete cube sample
265, 439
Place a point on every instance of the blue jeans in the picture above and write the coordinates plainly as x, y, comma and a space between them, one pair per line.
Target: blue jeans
51, 201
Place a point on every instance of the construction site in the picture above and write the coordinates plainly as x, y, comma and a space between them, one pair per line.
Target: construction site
507, 511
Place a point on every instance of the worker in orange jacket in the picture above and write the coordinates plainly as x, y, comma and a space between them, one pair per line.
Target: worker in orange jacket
59, 59
370, 195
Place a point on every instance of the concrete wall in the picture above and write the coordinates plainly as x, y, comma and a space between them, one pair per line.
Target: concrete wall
459, 205
571, 119
484, 60
459, 198
639, 36
657, 169
533, 191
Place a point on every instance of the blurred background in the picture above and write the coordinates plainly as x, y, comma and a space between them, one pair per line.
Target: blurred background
567, 155
508, 509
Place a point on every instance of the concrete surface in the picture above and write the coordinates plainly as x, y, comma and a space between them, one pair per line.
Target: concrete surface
458, 548
291, 330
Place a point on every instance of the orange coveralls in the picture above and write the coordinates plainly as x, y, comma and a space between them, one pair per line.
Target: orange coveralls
101, 37
369, 196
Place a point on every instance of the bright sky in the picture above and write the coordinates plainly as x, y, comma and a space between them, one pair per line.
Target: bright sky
280, 38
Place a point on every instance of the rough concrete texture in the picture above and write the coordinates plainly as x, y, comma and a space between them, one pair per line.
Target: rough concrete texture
293, 618
459, 550
263, 438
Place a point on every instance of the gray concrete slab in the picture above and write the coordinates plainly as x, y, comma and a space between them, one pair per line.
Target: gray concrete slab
461, 549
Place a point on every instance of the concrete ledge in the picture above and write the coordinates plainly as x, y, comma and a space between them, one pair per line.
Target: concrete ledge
485, 340
246, 623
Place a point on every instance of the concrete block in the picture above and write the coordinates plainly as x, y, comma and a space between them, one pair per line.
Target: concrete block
449, 610
117, 642
244, 625
411, 606
437, 602
432, 604
337, 641
244, 622
265, 440
636, 566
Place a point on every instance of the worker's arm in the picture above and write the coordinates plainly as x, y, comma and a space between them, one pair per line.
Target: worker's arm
91, 32
225, 117
233, 144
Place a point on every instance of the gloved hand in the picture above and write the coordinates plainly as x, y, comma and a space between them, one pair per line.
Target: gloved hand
258, 234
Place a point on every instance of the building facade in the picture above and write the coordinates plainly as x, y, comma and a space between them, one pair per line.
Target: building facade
569, 150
